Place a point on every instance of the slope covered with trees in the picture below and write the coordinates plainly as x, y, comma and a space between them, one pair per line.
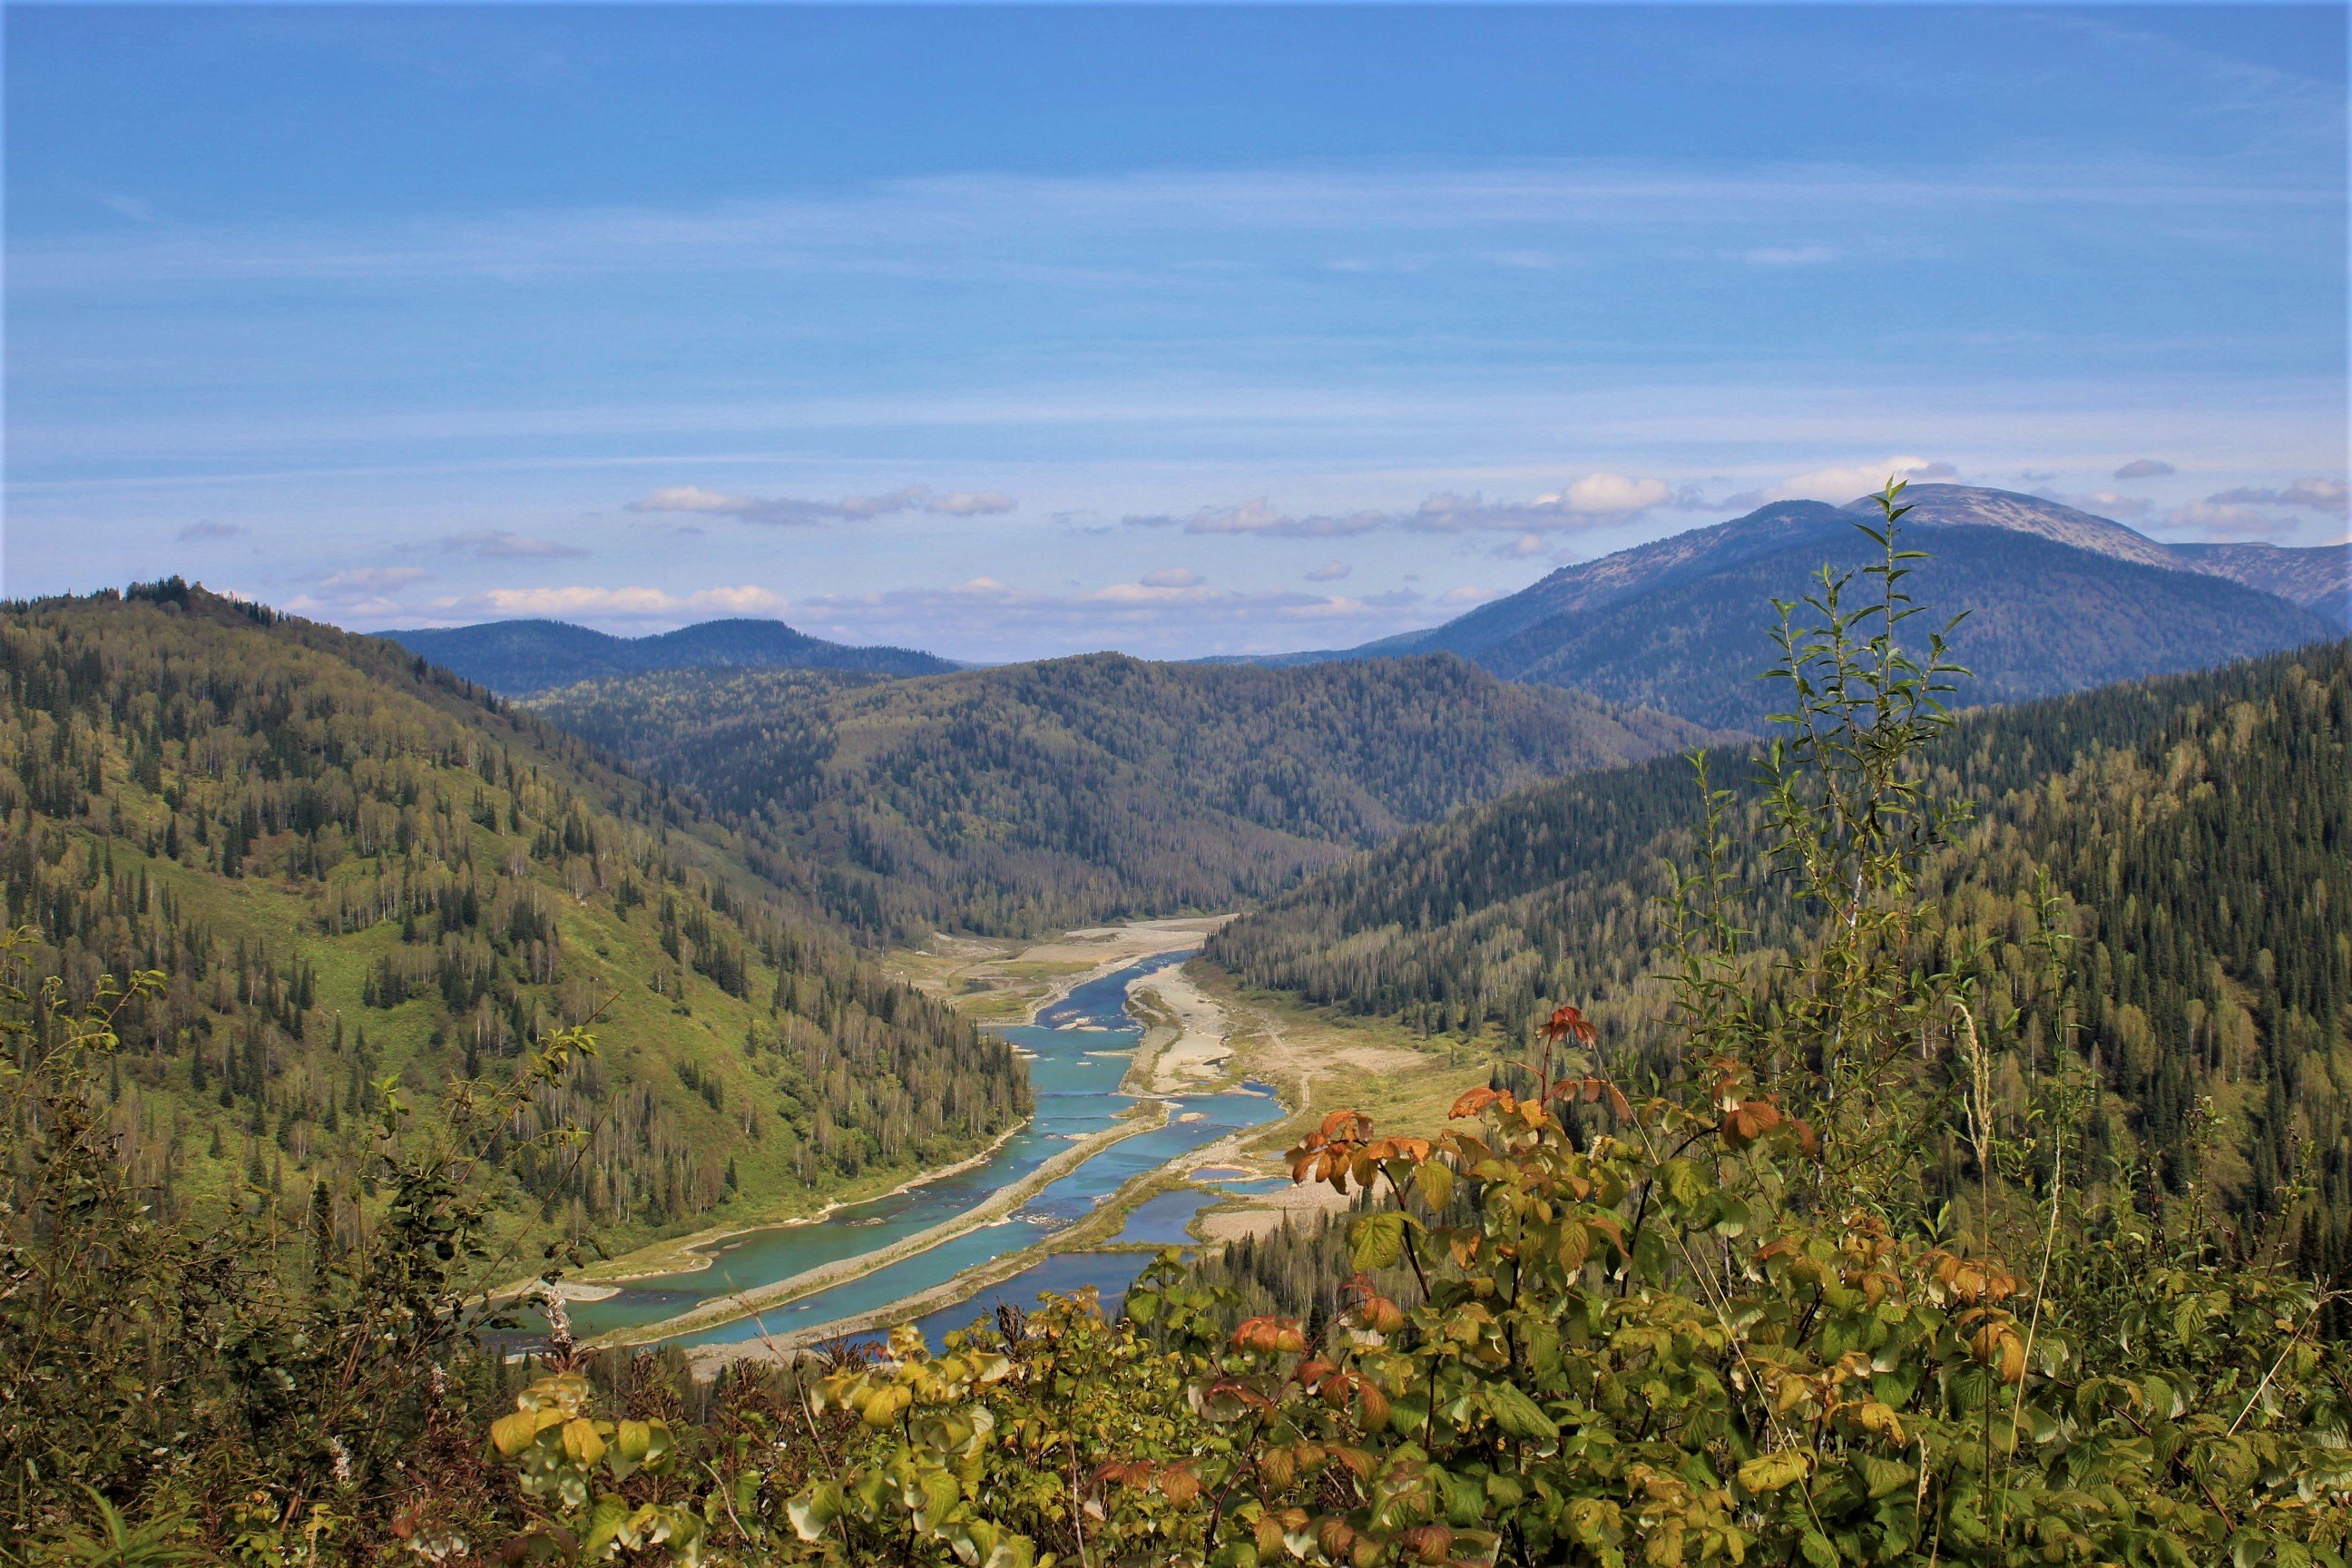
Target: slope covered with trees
517, 656
2194, 836
361, 878
1077, 790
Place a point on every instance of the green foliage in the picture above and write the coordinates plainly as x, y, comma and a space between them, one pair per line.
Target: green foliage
143, 1357
1045, 796
350, 869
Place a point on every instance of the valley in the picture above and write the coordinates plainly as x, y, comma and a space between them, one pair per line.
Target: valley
1208, 1090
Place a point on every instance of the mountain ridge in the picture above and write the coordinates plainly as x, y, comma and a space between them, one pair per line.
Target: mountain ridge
515, 658
1074, 791
2059, 599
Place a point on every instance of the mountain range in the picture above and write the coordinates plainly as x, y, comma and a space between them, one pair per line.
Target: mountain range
1071, 791
516, 657
2056, 600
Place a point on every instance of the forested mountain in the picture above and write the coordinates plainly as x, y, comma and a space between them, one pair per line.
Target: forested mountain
1041, 795
2057, 600
516, 657
356, 872
2043, 617
2196, 829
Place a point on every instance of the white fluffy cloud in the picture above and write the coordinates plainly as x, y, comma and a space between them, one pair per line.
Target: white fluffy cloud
615, 604
2107, 503
1261, 518
970, 503
2330, 495
1329, 571
1172, 577
1593, 501
370, 579
793, 511
1842, 484
2217, 521
501, 545
2144, 468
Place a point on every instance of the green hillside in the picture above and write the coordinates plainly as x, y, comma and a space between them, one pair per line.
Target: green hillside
2196, 831
1043, 795
356, 870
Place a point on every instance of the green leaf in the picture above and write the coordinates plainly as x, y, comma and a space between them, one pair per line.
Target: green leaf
814, 1509
1770, 1472
1517, 1414
1377, 1240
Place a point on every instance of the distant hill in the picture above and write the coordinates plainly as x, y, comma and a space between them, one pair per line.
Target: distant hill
1041, 795
352, 868
516, 657
2059, 600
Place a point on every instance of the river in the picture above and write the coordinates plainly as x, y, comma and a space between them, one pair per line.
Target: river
1079, 1049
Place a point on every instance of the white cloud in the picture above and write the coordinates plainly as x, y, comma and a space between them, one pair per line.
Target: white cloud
1594, 500
1260, 518
2144, 468
693, 498
1465, 595
1329, 571
618, 604
793, 511
2108, 503
970, 503
370, 579
2205, 520
1840, 485
2330, 495
209, 533
1610, 494
1172, 577
1522, 547
1148, 592
988, 618
1789, 255
499, 545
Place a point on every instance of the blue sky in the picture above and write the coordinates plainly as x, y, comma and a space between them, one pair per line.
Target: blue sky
1014, 333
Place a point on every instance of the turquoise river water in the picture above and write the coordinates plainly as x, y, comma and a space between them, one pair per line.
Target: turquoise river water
1079, 1049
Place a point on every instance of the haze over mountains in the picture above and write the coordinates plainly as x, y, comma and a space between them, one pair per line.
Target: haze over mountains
2057, 599
515, 657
